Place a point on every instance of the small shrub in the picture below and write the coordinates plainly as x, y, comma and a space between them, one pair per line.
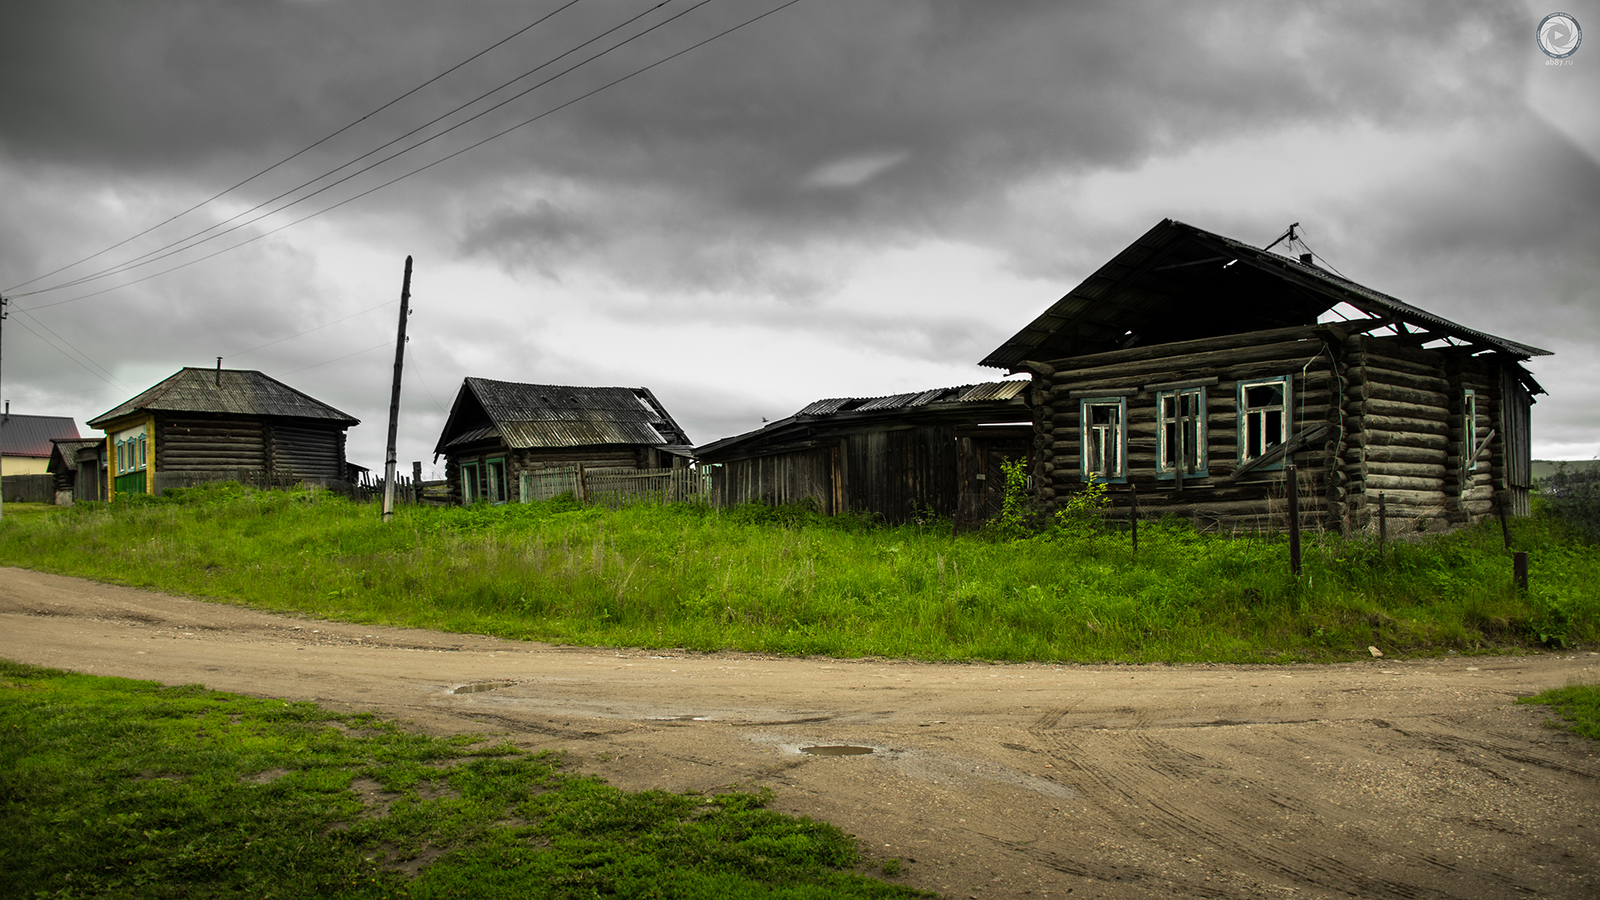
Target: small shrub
1573, 496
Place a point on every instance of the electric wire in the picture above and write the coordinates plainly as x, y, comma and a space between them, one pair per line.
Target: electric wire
195, 239
388, 343
53, 346
307, 331
441, 160
309, 147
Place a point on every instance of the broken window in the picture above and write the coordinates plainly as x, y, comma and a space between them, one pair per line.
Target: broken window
1263, 416
1470, 446
1181, 440
496, 470
1105, 439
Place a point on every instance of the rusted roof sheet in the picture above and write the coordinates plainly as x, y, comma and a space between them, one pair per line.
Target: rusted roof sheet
239, 392
987, 399
557, 415
1178, 282
22, 435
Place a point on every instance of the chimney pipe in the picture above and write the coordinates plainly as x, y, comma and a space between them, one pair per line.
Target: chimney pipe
1305, 260
219, 371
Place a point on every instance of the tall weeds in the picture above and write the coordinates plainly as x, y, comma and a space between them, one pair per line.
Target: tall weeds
793, 581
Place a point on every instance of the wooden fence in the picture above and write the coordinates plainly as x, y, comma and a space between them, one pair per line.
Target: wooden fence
616, 486
28, 488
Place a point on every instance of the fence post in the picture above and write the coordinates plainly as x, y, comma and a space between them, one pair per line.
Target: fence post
1133, 516
1505, 527
1519, 570
1294, 520
1383, 525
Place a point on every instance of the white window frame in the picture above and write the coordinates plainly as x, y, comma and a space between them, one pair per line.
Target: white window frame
1093, 435
1264, 413
1196, 435
1469, 429
495, 479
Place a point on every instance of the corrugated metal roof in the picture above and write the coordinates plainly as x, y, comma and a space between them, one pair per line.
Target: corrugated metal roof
850, 412
558, 415
22, 435
989, 390
242, 392
1169, 285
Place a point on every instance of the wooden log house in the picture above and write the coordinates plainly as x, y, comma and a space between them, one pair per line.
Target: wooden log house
937, 451
1193, 368
509, 441
74, 470
219, 425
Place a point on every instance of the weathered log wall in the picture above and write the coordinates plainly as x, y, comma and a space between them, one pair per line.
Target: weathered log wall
1308, 356
537, 458
288, 449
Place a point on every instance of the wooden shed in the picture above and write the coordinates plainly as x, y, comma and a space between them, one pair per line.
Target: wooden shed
217, 425
936, 451
510, 441
69, 473
1193, 368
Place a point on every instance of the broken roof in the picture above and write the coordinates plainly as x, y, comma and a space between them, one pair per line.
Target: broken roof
1179, 282
967, 403
240, 392
22, 435
554, 415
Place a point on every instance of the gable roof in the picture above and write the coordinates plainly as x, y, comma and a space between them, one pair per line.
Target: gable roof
526, 416
963, 404
1179, 282
238, 392
64, 452
31, 435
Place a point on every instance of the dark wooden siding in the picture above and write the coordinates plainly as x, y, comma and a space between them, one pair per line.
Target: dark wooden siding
210, 444
778, 478
533, 459
1310, 357
307, 452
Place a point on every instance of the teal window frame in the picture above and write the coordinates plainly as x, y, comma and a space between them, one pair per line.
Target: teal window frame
1197, 434
1260, 417
470, 493
1108, 437
495, 477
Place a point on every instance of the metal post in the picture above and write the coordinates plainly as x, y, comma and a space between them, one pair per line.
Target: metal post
394, 396
1294, 520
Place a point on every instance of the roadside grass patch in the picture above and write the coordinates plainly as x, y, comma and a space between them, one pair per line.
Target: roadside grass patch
1578, 704
114, 787
790, 580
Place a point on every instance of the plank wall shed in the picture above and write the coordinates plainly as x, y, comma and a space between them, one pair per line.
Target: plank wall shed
1192, 368
219, 425
935, 451
517, 441
69, 472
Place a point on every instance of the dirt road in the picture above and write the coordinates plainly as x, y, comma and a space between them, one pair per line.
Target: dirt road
1414, 779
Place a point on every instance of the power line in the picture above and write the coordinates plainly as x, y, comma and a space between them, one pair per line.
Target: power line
307, 331
172, 248
447, 157
305, 149
388, 343
52, 345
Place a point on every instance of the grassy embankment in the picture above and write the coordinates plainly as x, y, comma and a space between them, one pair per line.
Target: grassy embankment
787, 581
118, 788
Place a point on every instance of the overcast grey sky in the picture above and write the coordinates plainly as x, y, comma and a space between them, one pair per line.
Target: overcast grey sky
843, 198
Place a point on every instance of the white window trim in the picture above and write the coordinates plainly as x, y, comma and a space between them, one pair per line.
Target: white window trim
1164, 469
1283, 430
1084, 425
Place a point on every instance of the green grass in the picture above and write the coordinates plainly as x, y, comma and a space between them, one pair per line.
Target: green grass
1578, 704
790, 581
118, 788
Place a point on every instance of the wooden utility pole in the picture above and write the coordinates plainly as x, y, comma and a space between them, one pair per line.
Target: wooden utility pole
7, 414
394, 396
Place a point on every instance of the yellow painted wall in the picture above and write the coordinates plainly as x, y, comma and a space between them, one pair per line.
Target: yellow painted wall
23, 465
